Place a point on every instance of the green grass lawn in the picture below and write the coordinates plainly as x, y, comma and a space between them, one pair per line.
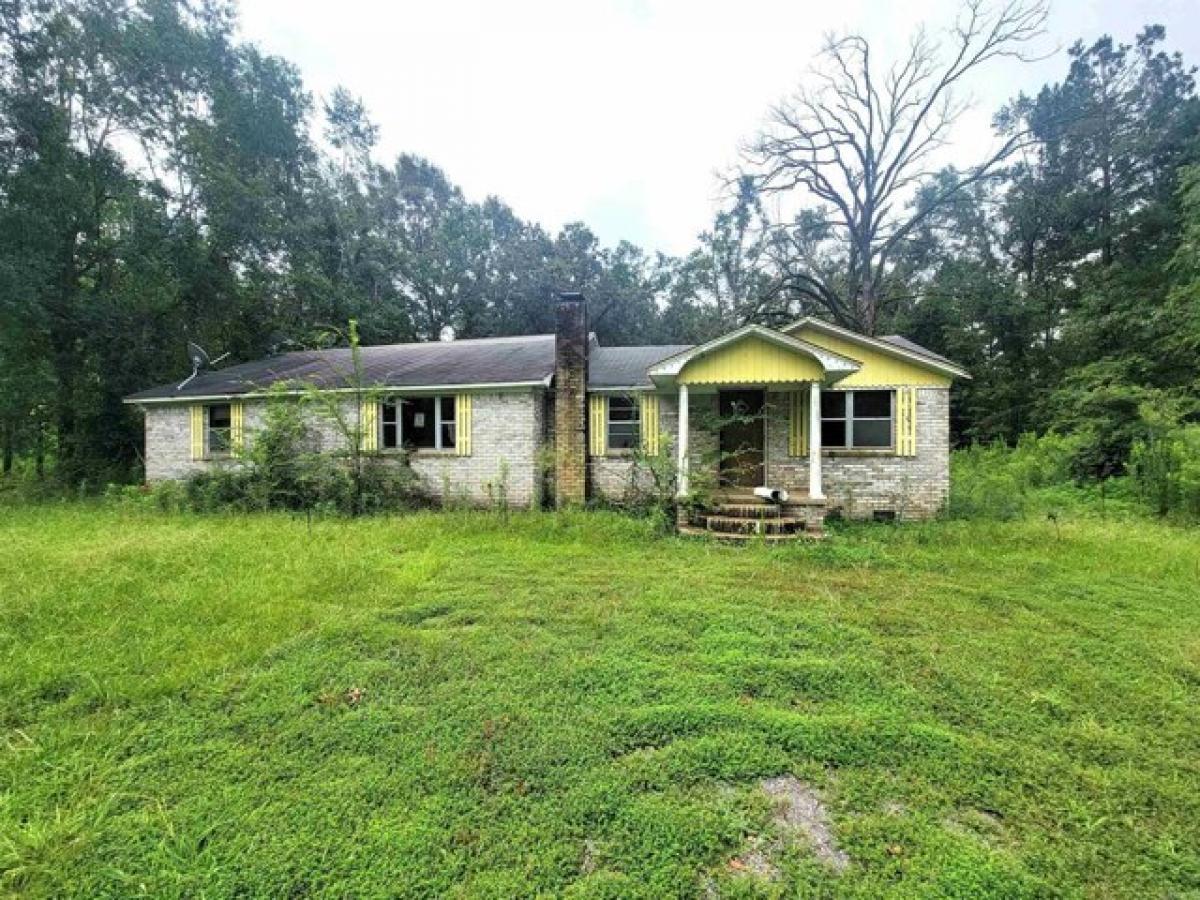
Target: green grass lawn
452, 705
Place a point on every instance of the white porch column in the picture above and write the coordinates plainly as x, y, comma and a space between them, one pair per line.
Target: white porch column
681, 445
815, 490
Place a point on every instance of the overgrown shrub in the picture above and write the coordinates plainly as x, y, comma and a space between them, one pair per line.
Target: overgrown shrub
1166, 467
995, 481
282, 471
278, 459
220, 489
654, 479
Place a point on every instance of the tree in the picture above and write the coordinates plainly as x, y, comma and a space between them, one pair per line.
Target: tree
150, 174
861, 142
726, 280
1094, 223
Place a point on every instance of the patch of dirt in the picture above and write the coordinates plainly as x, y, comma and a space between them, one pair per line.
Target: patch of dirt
983, 824
588, 864
799, 808
799, 812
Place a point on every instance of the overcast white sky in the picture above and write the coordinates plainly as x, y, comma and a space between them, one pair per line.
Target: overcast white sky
618, 113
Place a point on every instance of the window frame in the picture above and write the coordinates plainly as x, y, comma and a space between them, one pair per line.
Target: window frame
211, 451
634, 419
440, 422
849, 417
396, 403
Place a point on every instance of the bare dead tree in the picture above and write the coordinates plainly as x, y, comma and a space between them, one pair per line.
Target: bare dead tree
860, 142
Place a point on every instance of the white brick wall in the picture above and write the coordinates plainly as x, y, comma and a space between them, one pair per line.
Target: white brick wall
505, 434
612, 475
505, 437
508, 428
912, 487
860, 483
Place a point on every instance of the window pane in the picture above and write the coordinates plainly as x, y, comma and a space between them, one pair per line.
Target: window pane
833, 404
218, 415
623, 435
218, 441
416, 414
622, 409
624, 425
872, 404
390, 433
219, 420
873, 433
448, 435
447, 409
833, 434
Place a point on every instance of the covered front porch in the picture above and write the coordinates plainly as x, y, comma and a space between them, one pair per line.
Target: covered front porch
759, 393
739, 438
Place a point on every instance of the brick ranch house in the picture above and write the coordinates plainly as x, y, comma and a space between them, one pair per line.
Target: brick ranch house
840, 420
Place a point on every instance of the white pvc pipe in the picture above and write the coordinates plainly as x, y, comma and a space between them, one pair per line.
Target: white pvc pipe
775, 495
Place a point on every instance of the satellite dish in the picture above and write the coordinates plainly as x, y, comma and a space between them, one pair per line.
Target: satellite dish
277, 342
200, 361
198, 356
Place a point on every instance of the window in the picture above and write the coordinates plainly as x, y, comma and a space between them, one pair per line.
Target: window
422, 423
390, 424
833, 419
624, 423
856, 419
446, 423
219, 432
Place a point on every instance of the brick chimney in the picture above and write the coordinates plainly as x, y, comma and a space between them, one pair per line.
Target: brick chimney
570, 400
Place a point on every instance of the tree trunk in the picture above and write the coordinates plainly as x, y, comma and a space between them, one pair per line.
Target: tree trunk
8, 449
867, 310
65, 359
39, 454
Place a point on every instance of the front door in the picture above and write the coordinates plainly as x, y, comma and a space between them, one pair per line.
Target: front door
742, 438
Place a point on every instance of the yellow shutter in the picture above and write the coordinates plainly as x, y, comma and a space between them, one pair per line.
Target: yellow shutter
798, 424
197, 412
368, 421
237, 427
598, 424
906, 421
650, 426
462, 424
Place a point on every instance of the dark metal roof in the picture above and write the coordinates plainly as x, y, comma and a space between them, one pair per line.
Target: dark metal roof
627, 366
506, 360
913, 347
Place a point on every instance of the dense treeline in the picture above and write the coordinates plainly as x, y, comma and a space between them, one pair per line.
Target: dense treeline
161, 181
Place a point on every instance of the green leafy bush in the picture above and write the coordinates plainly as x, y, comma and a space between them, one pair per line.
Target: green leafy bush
281, 471
995, 481
1166, 468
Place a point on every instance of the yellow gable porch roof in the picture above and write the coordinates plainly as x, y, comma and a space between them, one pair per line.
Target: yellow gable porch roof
753, 355
751, 360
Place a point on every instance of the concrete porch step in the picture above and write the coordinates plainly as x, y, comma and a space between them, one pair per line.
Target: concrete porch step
748, 510
736, 514
751, 525
742, 538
